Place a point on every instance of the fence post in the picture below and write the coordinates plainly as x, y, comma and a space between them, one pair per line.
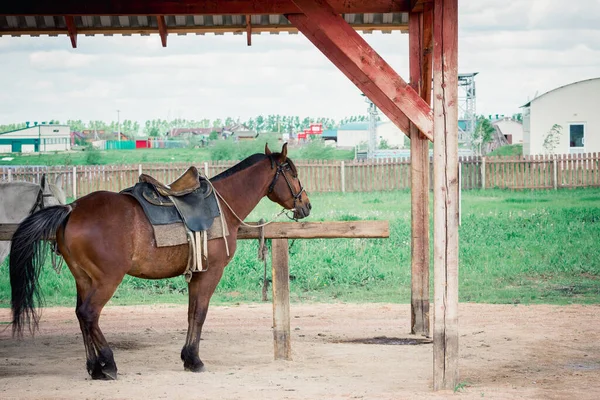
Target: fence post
281, 299
554, 173
483, 173
206, 169
139, 169
9, 174
343, 176
459, 193
74, 182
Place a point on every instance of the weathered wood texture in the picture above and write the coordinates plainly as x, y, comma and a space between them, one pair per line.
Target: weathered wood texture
371, 65
445, 187
281, 300
419, 147
518, 172
292, 230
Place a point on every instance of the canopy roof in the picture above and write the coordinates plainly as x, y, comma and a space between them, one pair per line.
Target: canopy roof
144, 17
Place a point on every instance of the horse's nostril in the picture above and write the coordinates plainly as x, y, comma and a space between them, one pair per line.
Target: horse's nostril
309, 206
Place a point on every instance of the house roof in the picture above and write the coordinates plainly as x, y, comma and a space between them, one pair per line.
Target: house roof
329, 133
354, 126
559, 88
31, 127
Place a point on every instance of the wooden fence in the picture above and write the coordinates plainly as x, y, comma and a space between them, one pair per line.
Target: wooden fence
529, 172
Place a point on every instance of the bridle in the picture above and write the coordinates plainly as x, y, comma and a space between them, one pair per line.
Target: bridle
39, 201
281, 171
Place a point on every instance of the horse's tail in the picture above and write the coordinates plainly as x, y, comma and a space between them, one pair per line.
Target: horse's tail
27, 255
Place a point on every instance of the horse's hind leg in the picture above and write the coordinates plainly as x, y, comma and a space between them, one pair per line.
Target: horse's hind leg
91, 298
90, 352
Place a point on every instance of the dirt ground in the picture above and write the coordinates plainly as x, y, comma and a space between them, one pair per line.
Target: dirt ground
506, 352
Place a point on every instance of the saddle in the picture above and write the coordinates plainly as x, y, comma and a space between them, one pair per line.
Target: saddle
190, 199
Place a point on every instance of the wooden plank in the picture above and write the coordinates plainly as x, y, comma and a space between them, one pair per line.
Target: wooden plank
281, 300
348, 67
162, 29
191, 7
292, 230
71, 29
445, 249
419, 172
370, 63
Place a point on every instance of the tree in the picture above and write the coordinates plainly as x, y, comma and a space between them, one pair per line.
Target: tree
484, 133
552, 139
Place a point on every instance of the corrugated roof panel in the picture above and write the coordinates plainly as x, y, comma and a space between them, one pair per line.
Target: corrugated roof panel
198, 19
180, 20
218, 19
30, 22
105, 21
49, 21
124, 21
388, 18
143, 20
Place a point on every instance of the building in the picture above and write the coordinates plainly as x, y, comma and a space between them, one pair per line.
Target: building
357, 133
510, 128
573, 111
40, 137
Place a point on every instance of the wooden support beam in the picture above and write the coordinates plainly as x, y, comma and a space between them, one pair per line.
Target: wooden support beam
291, 230
162, 29
71, 29
419, 162
350, 69
372, 65
445, 176
190, 7
184, 30
281, 300
249, 30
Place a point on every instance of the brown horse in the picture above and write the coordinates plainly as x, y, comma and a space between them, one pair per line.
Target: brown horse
104, 236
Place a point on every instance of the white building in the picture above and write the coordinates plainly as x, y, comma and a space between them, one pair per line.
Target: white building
357, 133
511, 129
36, 138
575, 109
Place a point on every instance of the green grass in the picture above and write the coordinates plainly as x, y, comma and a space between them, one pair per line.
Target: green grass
508, 150
515, 247
219, 150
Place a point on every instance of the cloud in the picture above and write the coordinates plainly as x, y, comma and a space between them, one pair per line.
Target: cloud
518, 48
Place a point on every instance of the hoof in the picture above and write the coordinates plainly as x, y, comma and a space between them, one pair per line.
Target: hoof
196, 367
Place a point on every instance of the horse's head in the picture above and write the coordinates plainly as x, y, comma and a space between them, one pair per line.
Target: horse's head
286, 189
53, 193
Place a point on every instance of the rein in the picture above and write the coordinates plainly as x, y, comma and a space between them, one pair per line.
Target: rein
280, 171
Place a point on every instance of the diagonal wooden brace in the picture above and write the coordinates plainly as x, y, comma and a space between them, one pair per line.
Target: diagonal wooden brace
359, 56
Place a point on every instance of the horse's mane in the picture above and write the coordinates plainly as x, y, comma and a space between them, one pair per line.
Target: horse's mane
249, 161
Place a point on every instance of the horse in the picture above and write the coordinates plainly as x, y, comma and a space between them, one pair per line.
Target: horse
105, 235
20, 199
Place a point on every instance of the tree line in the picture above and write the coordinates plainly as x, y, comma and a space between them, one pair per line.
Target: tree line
159, 127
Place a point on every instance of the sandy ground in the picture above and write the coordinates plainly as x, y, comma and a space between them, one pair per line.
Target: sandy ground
506, 352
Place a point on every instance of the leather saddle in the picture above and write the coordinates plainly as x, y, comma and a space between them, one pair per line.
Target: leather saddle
190, 199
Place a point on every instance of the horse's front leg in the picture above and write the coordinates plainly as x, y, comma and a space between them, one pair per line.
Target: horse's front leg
201, 288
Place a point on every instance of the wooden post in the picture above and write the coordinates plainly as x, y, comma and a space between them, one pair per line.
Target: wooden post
75, 183
10, 175
445, 172
483, 173
139, 169
281, 300
459, 193
419, 164
206, 169
554, 173
343, 177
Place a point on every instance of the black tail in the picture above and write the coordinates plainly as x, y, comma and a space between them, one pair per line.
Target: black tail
27, 255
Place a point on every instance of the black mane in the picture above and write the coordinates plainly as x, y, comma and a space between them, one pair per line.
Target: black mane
249, 161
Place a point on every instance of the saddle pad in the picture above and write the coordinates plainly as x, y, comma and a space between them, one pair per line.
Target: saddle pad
197, 209
176, 234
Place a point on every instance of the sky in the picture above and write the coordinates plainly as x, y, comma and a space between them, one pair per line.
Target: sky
519, 48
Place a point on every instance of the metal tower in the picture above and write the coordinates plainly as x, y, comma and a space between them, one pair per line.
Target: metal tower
373, 114
467, 101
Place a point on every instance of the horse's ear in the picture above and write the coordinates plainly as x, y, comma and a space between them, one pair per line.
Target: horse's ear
283, 156
267, 150
59, 181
